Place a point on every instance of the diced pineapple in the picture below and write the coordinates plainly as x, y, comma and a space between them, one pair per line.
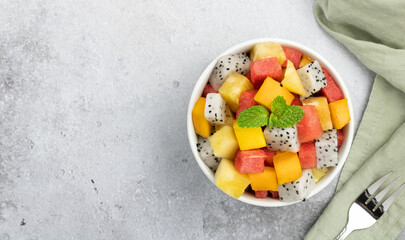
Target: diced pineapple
305, 60
287, 166
269, 91
229, 118
321, 104
201, 125
249, 138
224, 143
292, 81
266, 50
231, 89
319, 173
265, 181
339, 111
229, 180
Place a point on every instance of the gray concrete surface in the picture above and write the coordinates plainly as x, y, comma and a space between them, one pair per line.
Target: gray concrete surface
93, 98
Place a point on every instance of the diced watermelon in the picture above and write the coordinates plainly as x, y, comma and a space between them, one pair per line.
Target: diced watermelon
249, 75
309, 128
296, 101
268, 161
261, 69
293, 55
208, 89
274, 194
341, 137
332, 91
261, 194
246, 100
250, 161
307, 155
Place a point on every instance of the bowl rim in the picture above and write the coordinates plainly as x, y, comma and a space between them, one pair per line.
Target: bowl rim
348, 129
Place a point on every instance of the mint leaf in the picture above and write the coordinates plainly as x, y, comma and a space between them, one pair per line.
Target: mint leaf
291, 116
278, 105
272, 121
256, 116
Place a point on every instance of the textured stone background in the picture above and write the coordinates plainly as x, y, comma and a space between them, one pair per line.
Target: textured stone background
93, 98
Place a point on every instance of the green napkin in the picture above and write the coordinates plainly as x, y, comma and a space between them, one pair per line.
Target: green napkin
374, 30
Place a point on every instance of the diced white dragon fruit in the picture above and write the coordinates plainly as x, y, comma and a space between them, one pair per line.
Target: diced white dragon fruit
312, 78
298, 189
214, 110
206, 153
238, 62
327, 149
282, 139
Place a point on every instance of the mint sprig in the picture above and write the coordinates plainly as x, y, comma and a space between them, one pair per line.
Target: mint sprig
256, 116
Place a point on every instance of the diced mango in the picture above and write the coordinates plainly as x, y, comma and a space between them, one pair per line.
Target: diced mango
229, 118
292, 81
229, 180
319, 173
270, 90
321, 105
287, 166
224, 143
249, 138
305, 60
265, 181
339, 111
201, 125
231, 89
266, 50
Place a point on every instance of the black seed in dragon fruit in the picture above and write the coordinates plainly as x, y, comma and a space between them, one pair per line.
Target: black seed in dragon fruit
312, 77
327, 149
282, 139
298, 189
215, 108
207, 154
239, 63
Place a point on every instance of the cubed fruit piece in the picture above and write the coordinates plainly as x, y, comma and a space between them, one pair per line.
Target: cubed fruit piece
246, 101
298, 189
229, 118
332, 91
224, 143
261, 194
249, 137
201, 125
307, 155
327, 149
309, 128
249, 75
274, 194
268, 161
264, 181
266, 50
339, 112
250, 161
282, 139
207, 155
296, 101
293, 55
232, 88
261, 69
305, 60
229, 180
341, 137
319, 173
208, 89
214, 110
292, 81
287, 166
270, 90
321, 105
312, 78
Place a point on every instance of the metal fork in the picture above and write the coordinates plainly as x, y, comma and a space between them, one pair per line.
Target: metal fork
366, 210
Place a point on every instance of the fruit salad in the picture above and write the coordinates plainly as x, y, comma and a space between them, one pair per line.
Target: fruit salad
270, 122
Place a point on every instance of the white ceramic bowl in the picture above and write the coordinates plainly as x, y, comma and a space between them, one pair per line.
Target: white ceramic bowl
348, 129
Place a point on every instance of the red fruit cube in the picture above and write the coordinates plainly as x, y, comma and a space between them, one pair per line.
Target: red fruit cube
307, 155
274, 194
296, 101
341, 137
250, 161
208, 89
261, 69
246, 100
268, 161
261, 194
309, 128
332, 91
249, 75
293, 55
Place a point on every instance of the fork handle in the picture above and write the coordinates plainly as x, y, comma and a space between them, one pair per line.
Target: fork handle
344, 233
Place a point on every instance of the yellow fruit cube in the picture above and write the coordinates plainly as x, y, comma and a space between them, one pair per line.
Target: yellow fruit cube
224, 143
305, 60
249, 138
229, 118
339, 111
266, 50
287, 166
269, 91
201, 125
292, 81
231, 89
229, 180
321, 105
265, 181
319, 173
